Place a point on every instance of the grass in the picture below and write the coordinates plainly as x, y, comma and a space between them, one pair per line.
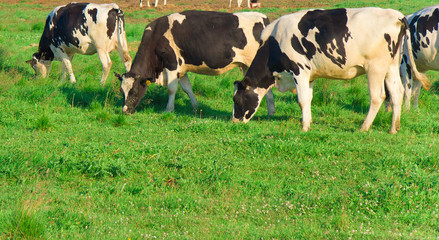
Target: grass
73, 167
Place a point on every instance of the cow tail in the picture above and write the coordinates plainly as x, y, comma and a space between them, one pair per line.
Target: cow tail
426, 84
120, 22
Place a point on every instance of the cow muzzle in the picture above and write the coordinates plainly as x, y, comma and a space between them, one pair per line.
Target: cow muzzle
126, 111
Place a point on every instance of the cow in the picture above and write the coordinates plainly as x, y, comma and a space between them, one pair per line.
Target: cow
424, 26
203, 42
338, 44
82, 28
156, 3
239, 2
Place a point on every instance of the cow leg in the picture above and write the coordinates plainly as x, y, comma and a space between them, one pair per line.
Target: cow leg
172, 89
187, 88
164, 2
396, 91
377, 95
270, 102
416, 90
248, 3
106, 64
156, 3
230, 3
304, 96
67, 64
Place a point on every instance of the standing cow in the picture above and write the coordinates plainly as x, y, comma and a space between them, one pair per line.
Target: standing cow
83, 28
339, 44
156, 3
424, 25
202, 42
239, 2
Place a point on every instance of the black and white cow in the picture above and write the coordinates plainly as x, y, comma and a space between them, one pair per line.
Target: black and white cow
202, 42
82, 28
239, 2
339, 44
156, 3
424, 25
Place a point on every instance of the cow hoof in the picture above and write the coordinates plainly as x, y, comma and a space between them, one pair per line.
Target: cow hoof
393, 131
305, 128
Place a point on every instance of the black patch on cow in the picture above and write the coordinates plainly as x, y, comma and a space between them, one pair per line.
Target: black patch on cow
208, 37
257, 30
154, 52
408, 69
392, 45
111, 22
420, 25
299, 45
331, 26
93, 13
278, 61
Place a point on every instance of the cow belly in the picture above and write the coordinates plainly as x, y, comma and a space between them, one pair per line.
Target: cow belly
345, 73
205, 70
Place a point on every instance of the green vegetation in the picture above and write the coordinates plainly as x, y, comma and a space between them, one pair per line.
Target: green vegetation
73, 167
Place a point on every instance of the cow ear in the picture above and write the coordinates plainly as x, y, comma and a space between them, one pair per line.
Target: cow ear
31, 61
118, 76
246, 81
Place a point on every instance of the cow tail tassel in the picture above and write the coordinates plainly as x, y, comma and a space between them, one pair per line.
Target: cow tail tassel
426, 84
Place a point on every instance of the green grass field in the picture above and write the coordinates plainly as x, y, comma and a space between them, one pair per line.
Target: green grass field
73, 167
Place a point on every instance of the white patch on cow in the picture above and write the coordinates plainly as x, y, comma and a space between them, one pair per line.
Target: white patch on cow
127, 85
148, 28
176, 17
247, 21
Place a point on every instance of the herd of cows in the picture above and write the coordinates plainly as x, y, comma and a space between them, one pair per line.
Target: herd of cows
393, 50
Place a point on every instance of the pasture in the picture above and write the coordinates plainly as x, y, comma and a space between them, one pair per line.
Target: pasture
72, 166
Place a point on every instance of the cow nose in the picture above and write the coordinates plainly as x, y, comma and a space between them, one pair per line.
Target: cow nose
235, 120
125, 109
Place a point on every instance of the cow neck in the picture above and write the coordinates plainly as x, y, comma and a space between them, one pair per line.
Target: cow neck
146, 63
44, 51
259, 73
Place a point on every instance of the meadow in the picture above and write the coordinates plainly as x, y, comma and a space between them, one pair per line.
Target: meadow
72, 166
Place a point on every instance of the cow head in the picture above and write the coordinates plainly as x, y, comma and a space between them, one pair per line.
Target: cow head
41, 67
246, 100
133, 88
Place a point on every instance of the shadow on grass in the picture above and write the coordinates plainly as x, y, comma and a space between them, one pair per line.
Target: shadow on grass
84, 96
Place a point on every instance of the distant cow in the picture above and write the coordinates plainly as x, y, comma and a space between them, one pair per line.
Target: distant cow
339, 44
209, 43
424, 26
83, 28
239, 3
155, 3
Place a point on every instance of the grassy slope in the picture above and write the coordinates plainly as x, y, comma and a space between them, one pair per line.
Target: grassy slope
71, 166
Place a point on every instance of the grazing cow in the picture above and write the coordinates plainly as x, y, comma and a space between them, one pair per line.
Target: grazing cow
239, 3
83, 28
156, 3
424, 26
339, 44
202, 42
